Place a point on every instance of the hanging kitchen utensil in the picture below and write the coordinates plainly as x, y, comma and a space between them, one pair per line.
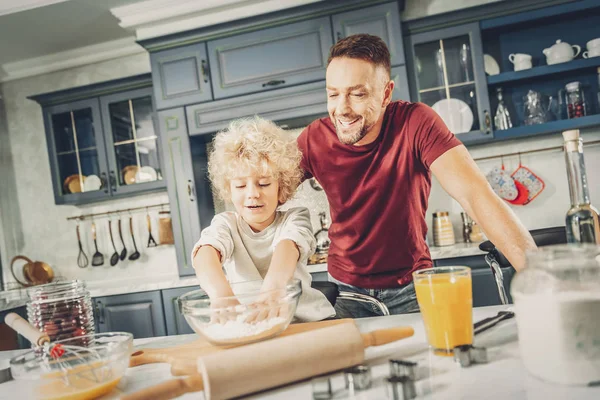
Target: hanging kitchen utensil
151, 241
521, 198
82, 259
124, 251
502, 183
534, 184
165, 228
136, 254
97, 258
24, 280
114, 259
41, 273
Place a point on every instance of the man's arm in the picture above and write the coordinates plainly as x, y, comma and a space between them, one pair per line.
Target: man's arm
461, 178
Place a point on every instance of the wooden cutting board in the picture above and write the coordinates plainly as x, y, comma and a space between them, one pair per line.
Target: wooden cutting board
183, 358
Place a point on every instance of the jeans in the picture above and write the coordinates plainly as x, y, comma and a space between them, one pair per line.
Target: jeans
400, 300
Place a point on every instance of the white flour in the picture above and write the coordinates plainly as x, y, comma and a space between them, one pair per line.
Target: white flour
238, 329
559, 336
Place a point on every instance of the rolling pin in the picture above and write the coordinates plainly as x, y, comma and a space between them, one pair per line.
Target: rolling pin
264, 365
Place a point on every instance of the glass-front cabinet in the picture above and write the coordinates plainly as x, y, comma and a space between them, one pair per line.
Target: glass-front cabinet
132, 141
449, 77
76, 149
102, 147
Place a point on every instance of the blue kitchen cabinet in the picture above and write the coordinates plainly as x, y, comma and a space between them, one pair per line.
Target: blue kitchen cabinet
270, 58
401, 87
138, 313
191, 208
132, 143
97, 133
76, 151
485, 291
181, 76
176, 323
530, 33
448, 74
382, 20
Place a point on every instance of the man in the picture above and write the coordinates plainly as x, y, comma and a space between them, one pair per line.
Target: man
374, 159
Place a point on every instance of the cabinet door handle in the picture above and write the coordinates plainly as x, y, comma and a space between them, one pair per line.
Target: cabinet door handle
275, 82
205, 70
104, 181
100, 312
113, 181
339, 36
488, 121
190, 190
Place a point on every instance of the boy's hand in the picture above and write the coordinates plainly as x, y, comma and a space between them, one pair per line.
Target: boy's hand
223, 310
269, 305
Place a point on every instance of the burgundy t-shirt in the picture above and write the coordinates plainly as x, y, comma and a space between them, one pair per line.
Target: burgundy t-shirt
378, 194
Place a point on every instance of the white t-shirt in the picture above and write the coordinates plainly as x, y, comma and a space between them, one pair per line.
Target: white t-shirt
247, 254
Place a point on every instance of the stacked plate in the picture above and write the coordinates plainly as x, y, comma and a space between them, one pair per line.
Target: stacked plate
62, 310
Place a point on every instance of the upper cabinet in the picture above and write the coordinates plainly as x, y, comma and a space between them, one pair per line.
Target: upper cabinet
449, 76
547, 86
270, 58
382, 20
76, 152
180, 76
131, 141
102, 147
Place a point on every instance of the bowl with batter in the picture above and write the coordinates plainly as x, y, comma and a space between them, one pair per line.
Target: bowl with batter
80, 368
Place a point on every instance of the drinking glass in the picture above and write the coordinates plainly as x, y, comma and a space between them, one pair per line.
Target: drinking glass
446, 301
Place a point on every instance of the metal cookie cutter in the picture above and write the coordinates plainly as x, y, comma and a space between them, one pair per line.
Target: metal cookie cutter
321, 388
466, 355
400, 388
406, 368
357, 378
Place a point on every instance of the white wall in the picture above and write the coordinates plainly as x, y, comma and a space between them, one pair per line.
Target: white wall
44, 233
550, 207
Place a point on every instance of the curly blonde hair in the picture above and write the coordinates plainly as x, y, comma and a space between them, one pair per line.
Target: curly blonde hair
257, 145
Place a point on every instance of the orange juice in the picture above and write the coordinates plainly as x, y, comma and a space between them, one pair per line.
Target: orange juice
446, 302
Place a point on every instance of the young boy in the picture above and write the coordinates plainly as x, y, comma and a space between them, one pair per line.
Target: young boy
256, 165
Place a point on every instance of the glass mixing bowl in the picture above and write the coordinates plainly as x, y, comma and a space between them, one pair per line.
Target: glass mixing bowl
248, 316
84, 367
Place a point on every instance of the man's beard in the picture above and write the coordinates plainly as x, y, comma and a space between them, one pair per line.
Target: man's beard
350, 138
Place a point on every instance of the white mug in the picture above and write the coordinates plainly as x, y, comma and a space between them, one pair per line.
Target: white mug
593, 44
593, 52
521, 61
517, 58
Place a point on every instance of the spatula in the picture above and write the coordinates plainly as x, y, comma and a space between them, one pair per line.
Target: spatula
97, 258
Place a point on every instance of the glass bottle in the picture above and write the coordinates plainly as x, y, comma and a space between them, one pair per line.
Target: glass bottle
576, 106
582, 218
502, 118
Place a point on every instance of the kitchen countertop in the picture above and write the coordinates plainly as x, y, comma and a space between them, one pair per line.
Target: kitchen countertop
17, 298
503, 377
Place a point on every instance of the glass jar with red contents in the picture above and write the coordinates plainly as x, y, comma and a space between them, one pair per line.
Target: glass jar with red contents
575, 100
62, 310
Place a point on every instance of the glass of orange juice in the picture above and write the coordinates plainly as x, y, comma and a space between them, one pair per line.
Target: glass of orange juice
446, 302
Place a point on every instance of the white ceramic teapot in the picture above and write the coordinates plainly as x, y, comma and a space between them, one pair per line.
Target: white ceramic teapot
561, 52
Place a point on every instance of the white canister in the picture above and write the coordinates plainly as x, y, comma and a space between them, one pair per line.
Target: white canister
557, 307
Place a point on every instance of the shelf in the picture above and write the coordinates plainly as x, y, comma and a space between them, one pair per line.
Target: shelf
545, 70
532, 16
548, 127
66, 153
